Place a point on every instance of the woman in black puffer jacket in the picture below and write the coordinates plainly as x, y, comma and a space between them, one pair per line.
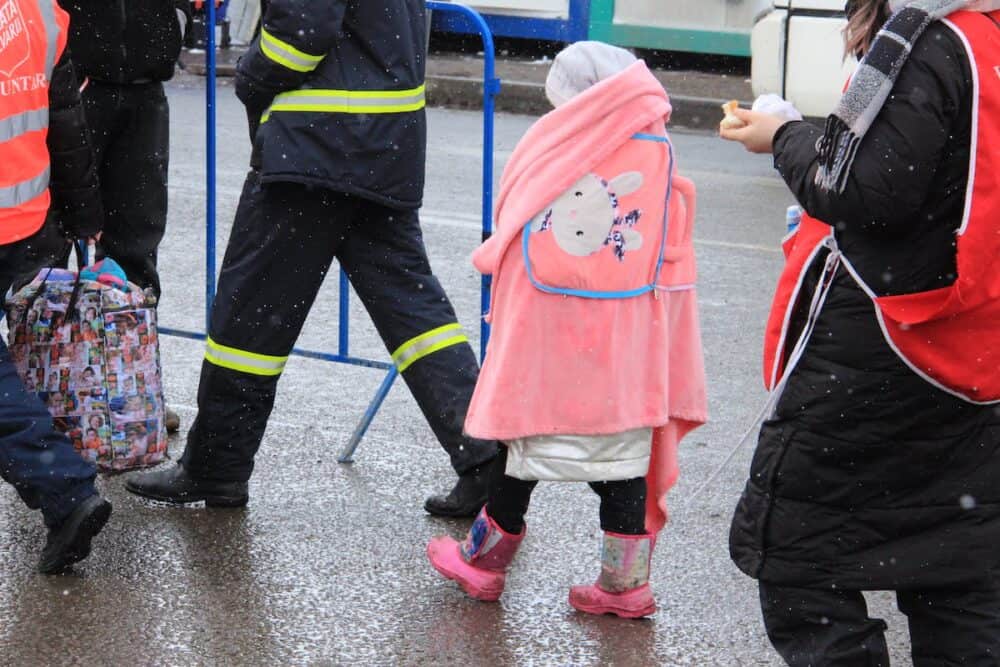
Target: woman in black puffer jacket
872, 473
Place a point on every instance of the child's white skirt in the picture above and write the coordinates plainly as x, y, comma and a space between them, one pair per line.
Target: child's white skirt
580, 458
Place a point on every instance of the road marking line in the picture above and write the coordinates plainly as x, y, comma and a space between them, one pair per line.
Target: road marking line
762, 181
738, 246
472, 222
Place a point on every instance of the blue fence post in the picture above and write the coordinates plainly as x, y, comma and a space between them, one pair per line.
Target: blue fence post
491, 88
209, 162
347, 455
344, 315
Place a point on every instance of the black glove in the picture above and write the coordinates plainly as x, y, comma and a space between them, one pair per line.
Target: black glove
255, 95
255, 103
81, 214
253, 123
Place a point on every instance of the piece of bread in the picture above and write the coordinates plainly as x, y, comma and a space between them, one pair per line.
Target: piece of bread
730, 121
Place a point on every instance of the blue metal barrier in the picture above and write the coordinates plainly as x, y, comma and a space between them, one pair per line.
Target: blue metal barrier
490, 89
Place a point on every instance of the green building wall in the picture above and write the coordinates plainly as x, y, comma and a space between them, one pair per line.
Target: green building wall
722, 42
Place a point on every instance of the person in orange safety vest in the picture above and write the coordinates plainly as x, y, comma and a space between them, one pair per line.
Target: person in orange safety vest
46, 166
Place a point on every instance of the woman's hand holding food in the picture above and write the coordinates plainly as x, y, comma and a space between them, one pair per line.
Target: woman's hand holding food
753, 129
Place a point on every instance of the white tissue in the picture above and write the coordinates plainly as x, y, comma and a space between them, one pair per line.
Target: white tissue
776, 106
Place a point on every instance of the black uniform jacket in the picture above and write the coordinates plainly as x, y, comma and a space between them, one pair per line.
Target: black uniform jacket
869, 477
339, 48
125, 41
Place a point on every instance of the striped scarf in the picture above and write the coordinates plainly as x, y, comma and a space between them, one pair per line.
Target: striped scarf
871, 85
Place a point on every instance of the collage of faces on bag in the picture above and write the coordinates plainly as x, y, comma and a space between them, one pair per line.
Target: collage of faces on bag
95, 367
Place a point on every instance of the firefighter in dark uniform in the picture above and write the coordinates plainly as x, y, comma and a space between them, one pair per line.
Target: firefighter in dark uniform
335, 97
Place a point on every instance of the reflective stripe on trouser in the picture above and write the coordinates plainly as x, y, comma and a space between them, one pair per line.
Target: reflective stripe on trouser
427, 343
287, 55
348, 101
284, 239
243, 361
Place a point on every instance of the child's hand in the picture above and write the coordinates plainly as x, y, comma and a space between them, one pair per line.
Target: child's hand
758, 134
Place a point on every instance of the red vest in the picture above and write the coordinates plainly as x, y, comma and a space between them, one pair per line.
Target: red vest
32, 38
949, 336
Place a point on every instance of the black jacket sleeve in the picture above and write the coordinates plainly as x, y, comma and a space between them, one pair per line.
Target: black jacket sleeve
74, 187
898, 158
295, 36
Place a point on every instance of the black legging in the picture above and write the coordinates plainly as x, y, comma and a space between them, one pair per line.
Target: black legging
623, 503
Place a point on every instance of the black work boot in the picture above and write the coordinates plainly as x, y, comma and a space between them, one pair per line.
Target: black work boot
69, 542
175, 485
468, 496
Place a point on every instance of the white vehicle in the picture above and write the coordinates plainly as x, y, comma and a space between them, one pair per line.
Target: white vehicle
797, 51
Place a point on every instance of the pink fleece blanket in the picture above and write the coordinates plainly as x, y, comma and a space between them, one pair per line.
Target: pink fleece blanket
566, 364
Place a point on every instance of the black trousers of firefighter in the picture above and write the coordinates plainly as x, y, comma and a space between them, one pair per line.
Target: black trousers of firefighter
284, 239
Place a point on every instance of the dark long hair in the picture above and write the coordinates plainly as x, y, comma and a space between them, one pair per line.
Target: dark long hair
864, 19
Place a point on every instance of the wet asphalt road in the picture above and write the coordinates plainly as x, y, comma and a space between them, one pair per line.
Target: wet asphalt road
326, 565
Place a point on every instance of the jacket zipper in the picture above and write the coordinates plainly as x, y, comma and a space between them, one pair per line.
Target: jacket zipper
124, 16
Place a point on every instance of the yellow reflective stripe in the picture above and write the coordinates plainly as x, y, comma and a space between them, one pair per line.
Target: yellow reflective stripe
426, 344
357, 94
242, 360
417, 340
287, 55
349, 101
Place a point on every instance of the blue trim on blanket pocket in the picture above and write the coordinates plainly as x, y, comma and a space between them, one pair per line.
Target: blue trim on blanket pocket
607, 294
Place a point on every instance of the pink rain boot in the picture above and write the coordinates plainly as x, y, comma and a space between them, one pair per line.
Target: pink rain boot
479, 564
623, 587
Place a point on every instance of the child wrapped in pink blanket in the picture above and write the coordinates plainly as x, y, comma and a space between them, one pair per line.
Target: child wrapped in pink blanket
594, 368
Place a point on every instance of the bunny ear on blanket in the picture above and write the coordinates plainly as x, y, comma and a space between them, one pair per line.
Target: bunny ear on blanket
626, 183
633, 239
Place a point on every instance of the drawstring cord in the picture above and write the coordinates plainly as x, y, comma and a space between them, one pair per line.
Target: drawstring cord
770, 405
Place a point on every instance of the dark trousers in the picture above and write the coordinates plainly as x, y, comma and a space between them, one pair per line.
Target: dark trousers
35, 458
623, 503
284, 238
129, 126
831, 628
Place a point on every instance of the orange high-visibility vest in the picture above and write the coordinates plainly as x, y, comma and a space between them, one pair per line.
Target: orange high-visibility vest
949, 336
32, 38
